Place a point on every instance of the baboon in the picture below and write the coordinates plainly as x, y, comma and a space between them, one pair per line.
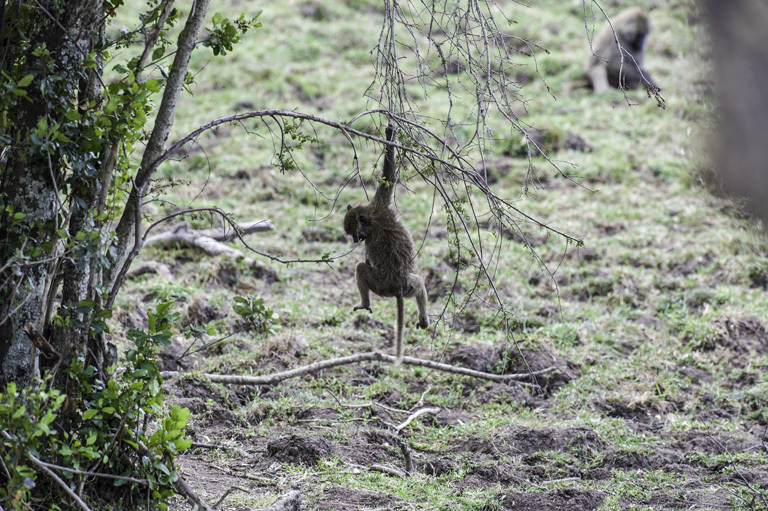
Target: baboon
604, 64
390, 256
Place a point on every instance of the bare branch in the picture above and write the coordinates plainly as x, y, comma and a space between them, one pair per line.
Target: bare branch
57, 480
272, 379
415, 415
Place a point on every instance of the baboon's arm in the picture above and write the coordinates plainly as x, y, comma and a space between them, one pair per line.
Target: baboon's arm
385, 191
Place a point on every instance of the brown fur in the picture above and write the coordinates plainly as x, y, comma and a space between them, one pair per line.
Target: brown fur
604, 64
390, 256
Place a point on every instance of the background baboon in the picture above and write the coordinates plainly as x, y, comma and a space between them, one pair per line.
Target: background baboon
390, 256
604, 63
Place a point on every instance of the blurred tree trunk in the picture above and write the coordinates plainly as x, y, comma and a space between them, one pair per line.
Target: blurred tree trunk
739, 31
59, 34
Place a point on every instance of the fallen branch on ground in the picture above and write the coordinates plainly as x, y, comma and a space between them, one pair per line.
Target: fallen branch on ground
392, 471
272, 379
210, 240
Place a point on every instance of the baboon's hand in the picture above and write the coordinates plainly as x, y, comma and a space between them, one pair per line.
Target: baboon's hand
363, 307
423, 323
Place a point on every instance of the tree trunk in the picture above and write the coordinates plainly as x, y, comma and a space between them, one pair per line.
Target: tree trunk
29, 182
126, 228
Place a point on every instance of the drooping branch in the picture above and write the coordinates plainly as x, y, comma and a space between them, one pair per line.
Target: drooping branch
461, 167
272, 379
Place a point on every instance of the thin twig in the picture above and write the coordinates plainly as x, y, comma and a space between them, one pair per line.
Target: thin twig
416, 415
95, 474
226, 494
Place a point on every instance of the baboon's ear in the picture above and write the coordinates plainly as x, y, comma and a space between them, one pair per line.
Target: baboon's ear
349, 207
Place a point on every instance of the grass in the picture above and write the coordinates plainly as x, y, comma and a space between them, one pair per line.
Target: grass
661, 313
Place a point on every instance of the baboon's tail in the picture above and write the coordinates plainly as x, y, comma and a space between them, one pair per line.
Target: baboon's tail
399, 334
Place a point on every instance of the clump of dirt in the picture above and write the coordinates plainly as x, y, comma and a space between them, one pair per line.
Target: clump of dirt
491, 473
531, 440
436, 466
367, 322
637, 460
564, 499
306, 450
636, 412
199, 312
479, 357
744, 335
558, 371
343, 499
523, 440
135, 317
439, 281
316, 414
467, 323
173, 358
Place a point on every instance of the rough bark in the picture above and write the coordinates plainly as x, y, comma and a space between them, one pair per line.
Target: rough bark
86, 31
29, 181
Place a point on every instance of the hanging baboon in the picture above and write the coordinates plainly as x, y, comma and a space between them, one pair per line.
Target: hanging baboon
390, 256
604, 63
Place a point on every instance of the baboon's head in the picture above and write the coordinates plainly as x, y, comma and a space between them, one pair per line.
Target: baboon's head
634, 31
357, 224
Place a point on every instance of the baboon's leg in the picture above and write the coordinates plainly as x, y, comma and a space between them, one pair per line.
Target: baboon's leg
363, 276
417, 291
598, 75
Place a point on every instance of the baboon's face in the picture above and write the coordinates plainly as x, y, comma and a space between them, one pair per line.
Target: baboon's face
357, 224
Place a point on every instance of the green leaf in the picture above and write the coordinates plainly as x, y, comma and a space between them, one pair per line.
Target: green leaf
18, 413
25, 81
88, 414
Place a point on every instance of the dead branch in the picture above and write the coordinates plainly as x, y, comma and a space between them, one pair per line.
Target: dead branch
407, 456
184, 489
387, 470
208, 240
222, 234
416, 415
217, 234
273, 379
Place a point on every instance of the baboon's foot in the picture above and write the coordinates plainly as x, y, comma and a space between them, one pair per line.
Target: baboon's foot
360, 306
423, 323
